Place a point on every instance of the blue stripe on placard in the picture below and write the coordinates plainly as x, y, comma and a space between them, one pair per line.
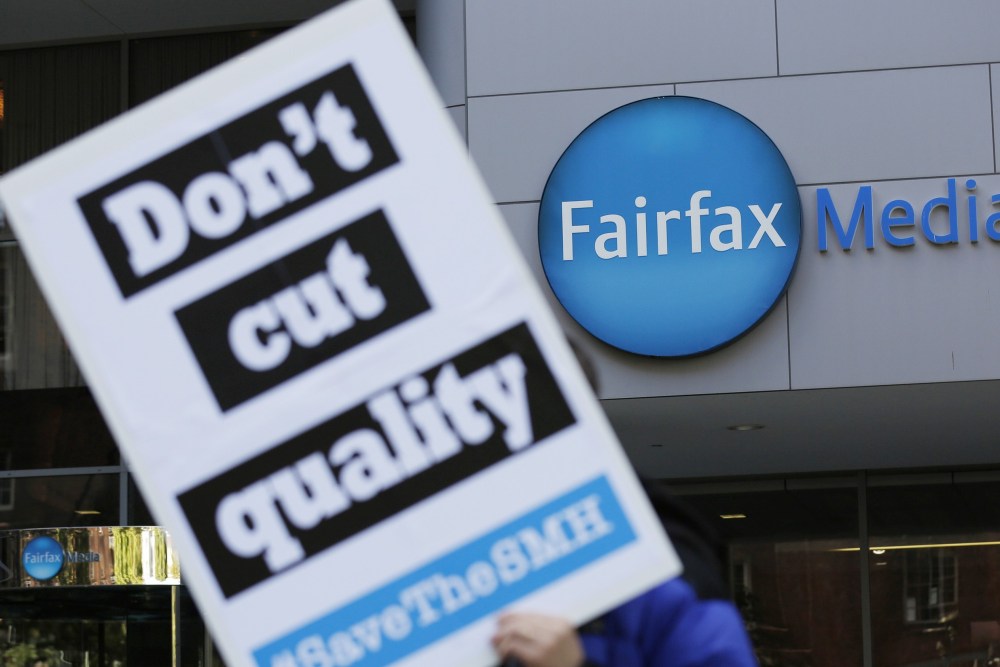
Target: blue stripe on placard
463, 586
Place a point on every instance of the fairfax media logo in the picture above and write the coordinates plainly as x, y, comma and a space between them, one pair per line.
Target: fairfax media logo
670, 227
43, 558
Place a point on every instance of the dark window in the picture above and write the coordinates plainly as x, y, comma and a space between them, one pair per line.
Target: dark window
935, 573
138, 511
62, 500
930, 586
6, 312
34, 354
53, 428
158, 64
795, 571
2, 100
53, 94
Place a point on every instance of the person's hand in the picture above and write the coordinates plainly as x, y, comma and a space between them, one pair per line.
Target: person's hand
538, 640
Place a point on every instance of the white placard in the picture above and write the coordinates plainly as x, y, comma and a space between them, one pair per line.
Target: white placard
326, 363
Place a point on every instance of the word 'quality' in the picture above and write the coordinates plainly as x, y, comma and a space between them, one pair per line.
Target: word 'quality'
402, 445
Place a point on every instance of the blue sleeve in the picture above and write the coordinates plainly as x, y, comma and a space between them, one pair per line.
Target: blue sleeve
669, 626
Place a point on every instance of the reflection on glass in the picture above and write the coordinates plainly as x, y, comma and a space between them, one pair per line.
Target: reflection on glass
791, 572
35, 643
935, 574
144, 555
133, 626
89, 556
52, 428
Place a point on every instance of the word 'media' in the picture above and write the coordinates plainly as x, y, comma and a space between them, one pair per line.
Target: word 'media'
942, 220
405, 443
58, 558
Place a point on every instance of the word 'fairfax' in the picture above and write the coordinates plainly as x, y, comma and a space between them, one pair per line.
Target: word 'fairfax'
618, 239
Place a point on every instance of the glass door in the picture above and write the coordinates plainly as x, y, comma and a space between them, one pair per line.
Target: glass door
122, 626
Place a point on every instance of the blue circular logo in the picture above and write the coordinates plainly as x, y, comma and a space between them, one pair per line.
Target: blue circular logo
42, 558
670, 227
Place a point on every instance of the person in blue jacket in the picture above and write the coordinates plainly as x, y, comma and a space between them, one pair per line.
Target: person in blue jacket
687, 621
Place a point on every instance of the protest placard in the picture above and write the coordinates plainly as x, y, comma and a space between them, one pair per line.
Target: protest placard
329, 369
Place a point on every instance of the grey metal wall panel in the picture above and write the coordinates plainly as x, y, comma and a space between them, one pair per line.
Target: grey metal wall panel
519, 46
457, 115
823, 430
926, 313
441, 42
995, 77
870, 125
517, 139
864, 35
756, 362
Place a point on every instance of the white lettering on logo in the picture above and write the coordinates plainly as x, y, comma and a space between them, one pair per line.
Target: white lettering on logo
726, 225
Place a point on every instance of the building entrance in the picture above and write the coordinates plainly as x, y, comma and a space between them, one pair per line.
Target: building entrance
102, 626
97, 597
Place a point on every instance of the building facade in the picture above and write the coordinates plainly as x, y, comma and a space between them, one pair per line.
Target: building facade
845, 446
852, 428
